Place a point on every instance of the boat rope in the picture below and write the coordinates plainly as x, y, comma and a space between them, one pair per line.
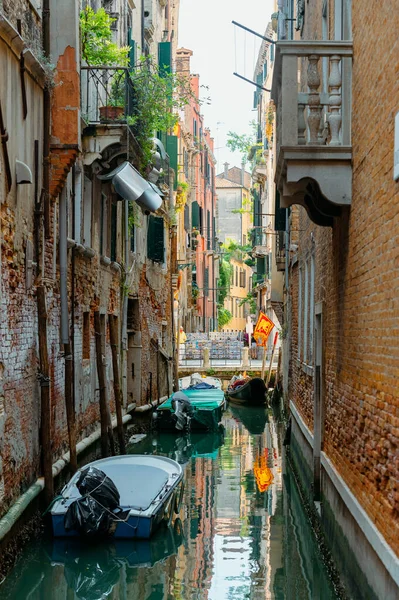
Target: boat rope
50, 506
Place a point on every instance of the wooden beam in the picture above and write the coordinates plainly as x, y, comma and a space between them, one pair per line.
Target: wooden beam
113, 334
101, 382
45, 396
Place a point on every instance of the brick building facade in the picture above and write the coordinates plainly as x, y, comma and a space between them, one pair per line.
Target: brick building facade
342, 353
75, 237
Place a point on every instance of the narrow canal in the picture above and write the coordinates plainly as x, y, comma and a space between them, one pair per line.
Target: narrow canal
241, 534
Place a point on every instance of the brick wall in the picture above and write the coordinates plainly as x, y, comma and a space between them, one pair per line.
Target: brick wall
357, 277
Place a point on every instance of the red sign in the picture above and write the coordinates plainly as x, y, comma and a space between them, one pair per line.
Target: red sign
262, 330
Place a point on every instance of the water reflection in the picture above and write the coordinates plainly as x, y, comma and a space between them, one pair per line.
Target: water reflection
242, 532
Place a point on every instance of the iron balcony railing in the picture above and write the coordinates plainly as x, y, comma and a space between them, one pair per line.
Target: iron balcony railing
107, 94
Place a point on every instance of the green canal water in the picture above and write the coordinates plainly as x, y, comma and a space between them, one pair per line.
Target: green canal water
241, 532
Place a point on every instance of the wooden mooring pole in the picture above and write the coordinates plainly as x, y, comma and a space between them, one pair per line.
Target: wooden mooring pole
113, 334
45, 396
70, 408
271, 358
101, 382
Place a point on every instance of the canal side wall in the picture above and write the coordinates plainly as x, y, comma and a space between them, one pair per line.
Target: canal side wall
368, 566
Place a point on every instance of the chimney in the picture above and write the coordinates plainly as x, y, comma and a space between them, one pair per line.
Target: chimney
243, 174
226, 170
183, 61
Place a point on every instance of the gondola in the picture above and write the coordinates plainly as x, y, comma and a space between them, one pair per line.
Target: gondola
252, 391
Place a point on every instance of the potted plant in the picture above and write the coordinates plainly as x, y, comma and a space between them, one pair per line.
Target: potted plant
98, 49
114, 109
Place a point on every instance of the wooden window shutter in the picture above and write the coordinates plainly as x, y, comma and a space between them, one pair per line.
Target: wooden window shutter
155, 239
195, 219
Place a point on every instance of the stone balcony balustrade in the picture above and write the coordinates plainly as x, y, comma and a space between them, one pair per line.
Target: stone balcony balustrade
311, 88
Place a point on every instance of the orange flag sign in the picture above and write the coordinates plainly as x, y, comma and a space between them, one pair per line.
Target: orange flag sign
262, 330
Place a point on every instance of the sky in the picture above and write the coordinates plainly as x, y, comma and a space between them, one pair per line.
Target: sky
220, 48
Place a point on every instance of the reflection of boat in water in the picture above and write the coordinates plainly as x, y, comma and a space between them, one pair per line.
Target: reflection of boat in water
194, 445
133, 553
91, 571
182, 447
253, 418
251, 391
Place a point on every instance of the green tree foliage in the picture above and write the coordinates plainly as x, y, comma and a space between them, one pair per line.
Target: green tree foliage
224, 316
251, 301
242, 143
158, 97
97, 45
225, 273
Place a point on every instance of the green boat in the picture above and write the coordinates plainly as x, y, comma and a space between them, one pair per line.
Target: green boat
191, 410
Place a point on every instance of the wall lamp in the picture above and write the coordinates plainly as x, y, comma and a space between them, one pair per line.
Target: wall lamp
130, 185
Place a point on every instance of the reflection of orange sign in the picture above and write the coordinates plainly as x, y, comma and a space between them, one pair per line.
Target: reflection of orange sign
262, 330
263, 475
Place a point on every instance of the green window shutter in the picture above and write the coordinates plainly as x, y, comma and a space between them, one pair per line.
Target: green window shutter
171, 149
255, 103
164, 58
132, 49
155, 239
195, 215
206, 282
260, 267
279, 214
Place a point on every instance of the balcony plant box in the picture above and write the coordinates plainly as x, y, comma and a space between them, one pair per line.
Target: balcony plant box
111, 113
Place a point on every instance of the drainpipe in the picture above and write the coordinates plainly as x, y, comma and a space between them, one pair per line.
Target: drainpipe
46, 122
125, 306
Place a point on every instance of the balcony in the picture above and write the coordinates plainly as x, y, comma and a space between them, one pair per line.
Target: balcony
260, 248
311, 88
107, 102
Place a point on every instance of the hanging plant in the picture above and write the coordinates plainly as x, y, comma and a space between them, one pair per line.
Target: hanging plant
269, 122
181, 195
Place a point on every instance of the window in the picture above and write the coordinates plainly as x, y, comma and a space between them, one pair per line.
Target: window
195, 214
311, 309
104, 225
299, 313
86, 336
155, 239
131, 226
306, 312
186, 217
306, 309
114, 214
208, 230
87, 210
236, 276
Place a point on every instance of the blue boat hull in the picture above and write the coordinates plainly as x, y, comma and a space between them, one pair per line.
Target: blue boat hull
149, 487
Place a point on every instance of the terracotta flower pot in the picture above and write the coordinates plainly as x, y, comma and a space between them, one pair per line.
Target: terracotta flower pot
111, 113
